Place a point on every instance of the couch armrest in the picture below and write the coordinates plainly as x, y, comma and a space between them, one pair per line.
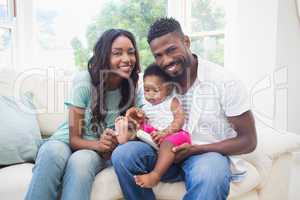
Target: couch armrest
274, 142
295, 177
271, 145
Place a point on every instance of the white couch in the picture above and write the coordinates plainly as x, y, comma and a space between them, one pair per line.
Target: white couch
269, 167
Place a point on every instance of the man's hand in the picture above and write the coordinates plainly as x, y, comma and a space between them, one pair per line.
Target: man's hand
182, 152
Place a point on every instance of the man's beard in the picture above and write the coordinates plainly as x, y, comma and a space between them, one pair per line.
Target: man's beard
180, 76
184, 73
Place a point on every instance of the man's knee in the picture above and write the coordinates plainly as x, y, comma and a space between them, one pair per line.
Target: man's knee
120, 154
213, 171
130, 153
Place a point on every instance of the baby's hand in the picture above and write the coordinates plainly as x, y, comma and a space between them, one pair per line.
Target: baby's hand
157, 136
135, 115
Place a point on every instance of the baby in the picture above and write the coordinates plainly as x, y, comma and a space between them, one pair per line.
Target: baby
164, 121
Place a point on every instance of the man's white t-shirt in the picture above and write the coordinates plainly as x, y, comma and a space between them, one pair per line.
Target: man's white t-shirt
215, 95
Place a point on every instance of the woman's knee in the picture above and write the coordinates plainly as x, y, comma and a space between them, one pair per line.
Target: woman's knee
85, 162
55, 152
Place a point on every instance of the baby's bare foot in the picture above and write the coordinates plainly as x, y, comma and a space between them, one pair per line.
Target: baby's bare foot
121, 126
147, 180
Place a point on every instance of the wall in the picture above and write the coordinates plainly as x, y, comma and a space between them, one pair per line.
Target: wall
262, 47
288, 54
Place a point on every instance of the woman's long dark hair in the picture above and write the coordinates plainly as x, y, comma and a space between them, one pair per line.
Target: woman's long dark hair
99, 65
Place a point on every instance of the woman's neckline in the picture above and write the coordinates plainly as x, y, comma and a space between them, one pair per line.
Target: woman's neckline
113, 90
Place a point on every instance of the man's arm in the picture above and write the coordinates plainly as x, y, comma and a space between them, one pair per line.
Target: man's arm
244, 142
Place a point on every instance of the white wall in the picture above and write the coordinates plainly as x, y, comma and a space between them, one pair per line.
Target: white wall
263, 48
288, 54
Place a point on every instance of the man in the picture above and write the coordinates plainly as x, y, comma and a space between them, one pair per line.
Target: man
218, 118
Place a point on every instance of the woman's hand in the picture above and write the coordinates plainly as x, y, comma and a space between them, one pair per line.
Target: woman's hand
107, 142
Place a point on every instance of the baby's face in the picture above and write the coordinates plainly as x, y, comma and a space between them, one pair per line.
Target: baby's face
155, 89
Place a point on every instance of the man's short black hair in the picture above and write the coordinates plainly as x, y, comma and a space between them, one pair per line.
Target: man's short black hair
155, 70
163, 26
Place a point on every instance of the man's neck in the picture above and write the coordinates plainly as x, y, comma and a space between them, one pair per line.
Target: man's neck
190, 76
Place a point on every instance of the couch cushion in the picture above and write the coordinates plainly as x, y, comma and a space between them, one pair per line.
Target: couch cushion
14, 181
49, 88
251, 181
262, 162
48, 97
106, 186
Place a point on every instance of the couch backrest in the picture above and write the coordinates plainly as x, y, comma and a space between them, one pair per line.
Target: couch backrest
48, 89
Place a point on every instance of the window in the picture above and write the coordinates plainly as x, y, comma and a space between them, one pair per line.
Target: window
64, 32
7, 26
204, 22
55, 33
3, 9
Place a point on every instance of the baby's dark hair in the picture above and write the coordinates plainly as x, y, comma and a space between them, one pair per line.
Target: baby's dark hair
163, 26
155, 70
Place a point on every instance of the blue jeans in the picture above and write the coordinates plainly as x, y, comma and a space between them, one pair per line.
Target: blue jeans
207, 176
58, 170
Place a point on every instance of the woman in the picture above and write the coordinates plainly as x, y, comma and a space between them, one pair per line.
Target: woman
68, 162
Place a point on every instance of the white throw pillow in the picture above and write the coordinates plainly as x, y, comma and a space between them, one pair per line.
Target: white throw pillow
19, 131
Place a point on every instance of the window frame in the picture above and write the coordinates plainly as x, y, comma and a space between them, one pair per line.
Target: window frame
181, 10
9, 24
